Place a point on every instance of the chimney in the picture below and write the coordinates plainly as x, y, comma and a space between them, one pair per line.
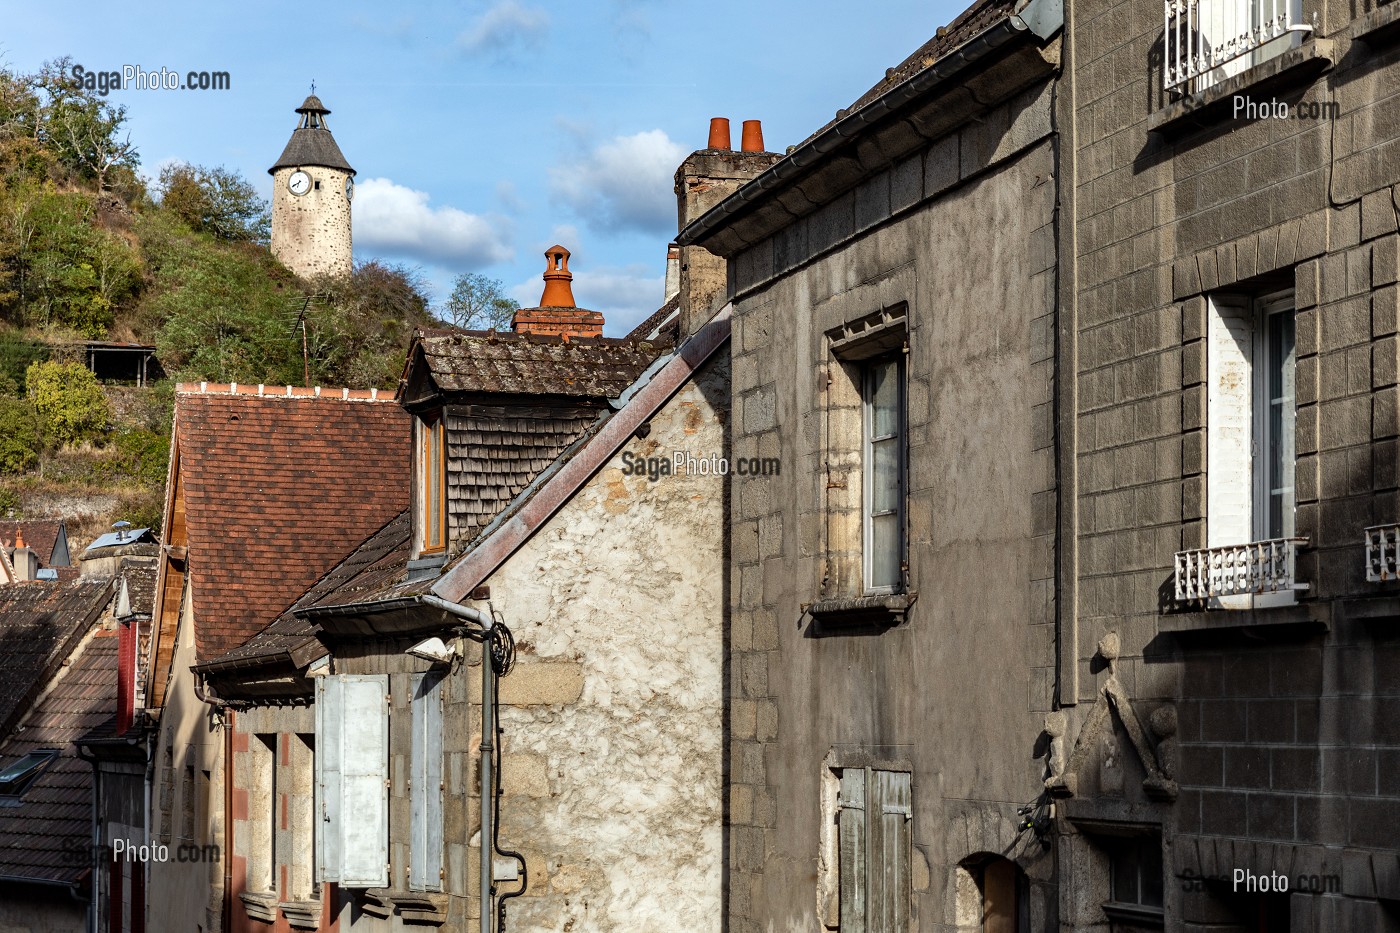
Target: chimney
705, 178
26, 562
673, 270
557, 313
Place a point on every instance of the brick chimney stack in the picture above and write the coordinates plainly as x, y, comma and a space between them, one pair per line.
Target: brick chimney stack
705, 178
557, 313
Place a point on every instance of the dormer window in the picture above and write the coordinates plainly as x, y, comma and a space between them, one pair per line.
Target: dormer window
432, 484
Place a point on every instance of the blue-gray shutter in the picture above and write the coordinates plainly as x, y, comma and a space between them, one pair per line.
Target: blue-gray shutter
364, 778
853, 851
888, 815
425, 784
328, 753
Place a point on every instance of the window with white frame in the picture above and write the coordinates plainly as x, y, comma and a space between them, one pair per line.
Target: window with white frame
884, 479
1208, 41
1250, 454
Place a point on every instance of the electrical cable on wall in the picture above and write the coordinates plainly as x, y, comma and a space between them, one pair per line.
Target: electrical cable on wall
502, 652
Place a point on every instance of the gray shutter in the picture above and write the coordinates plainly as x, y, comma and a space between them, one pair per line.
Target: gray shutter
889, 814
328, 755
853, 858
425, 784
364, 774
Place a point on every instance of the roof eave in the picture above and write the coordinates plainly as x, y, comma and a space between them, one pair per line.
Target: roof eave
1045, 15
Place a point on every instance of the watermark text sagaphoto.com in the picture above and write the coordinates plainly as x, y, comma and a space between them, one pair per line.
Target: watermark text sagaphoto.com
134, 77
685, 463
1246, 108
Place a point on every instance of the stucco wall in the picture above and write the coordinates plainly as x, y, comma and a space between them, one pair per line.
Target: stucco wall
960, 690
618, 601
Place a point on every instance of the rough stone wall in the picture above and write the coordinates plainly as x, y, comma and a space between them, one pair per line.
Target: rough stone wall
1286, 733
311, 232
613, 722
29, 908
959, 691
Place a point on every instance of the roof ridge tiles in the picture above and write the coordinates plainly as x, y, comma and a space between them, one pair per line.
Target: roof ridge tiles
262, 390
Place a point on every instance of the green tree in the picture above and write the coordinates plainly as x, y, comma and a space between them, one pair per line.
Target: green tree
82, 129
20, 440
71, 405
478, 303
215, 201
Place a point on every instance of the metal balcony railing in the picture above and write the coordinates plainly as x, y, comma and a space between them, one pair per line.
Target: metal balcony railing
1255, 569
1383, 552
1203, 35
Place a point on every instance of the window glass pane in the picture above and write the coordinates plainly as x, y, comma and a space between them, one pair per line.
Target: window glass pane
1280, 425
1151, 872
1124, 866
885, 550
432, 486
884, 476
884, 399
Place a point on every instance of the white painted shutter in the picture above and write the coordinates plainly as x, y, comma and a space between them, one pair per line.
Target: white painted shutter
425, 784
328, 742
1229, 422
360, 724
853, 851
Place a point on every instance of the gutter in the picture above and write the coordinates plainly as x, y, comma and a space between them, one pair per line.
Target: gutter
1040, 18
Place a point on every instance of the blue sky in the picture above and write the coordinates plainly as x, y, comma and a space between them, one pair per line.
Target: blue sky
483, 132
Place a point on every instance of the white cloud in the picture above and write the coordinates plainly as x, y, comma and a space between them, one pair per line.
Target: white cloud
625, 296
624, 183
504, 26
397, 221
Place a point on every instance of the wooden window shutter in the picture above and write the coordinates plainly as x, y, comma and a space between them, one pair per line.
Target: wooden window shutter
876, 843
354, 754
328, 744
853, 851
425, 784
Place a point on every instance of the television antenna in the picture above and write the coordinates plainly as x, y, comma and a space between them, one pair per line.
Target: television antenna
300, 323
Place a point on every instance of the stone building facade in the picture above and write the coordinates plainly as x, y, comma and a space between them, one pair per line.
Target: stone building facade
1228, 341
891, 590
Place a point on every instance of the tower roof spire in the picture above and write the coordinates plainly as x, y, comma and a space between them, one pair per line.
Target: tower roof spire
312, 142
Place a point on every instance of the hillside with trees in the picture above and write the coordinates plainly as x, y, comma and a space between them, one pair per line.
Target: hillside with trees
90, 249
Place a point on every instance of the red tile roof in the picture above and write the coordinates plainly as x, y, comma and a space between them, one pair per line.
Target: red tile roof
45, 837
278, 488
39, 536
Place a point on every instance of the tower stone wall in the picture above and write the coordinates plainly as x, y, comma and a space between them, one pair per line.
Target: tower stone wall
311, 232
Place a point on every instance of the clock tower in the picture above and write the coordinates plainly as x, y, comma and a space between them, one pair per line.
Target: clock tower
312, 187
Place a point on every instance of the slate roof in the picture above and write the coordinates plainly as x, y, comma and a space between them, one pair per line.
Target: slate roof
965, 27
663, 326
40, 536
312, 145
378, 563
40, 838
277, 490
529, 364
40, 624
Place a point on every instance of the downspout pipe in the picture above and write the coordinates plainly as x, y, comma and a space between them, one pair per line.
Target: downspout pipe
488, 738
95, 843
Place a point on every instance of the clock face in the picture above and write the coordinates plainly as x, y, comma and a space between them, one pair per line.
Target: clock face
349, 189
299, 183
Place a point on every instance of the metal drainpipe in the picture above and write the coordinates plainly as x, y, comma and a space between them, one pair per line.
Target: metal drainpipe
488, 737
94, 843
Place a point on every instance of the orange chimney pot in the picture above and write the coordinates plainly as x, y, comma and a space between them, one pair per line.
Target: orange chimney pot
719, 133
752, 136
558, 293
19, 538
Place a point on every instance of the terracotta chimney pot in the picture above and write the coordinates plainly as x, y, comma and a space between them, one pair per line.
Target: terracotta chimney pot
753, 136
558, 293
719, 133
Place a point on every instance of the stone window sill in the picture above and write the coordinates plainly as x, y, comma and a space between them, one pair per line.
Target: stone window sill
302, 915
261, 906
1309, 615
1293, 67
861, 614
1135, 914
1379, 26
420, 907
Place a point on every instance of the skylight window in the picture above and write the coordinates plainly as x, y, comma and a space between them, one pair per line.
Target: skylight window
16, 778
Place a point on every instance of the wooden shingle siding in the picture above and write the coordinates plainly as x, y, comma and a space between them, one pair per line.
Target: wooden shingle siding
492, 457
